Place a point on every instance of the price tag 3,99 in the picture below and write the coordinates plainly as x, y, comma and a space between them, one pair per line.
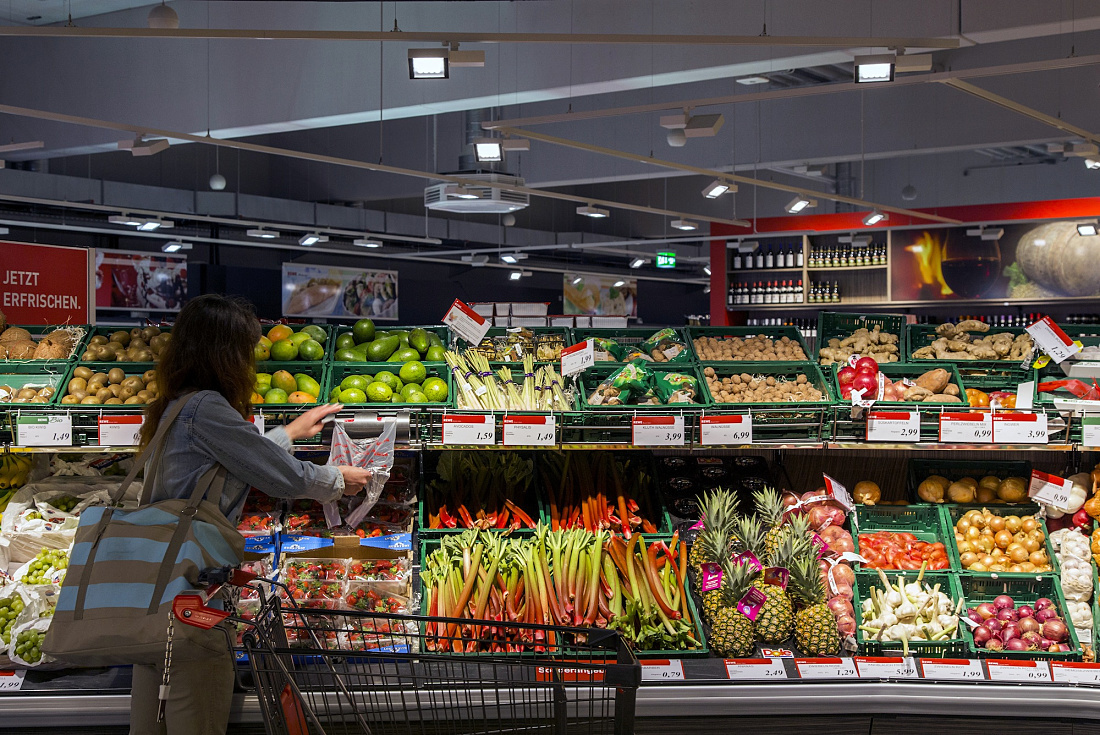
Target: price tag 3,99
725, 430
966, 428
45, 431
529, 431
658, 431
469, 429
893, 426
1049, 489
1020, 428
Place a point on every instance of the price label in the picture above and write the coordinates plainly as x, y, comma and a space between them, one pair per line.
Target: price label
966, 428
466, 323
1052, 340
838, 492
1020, 428
1084, 636
658, 431
120, 431
45, 431
755, 669
726, 430
893, 426
1024, 671
11, 681
469, 429
826, 668
258, 420
1049, 489
530, 431
1073, 672
886, 667
952, 669
578, 358
1090, 431
663, 670
1025, 396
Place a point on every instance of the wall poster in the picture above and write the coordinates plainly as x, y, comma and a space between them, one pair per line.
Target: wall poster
136, 281
339, 293
600, 295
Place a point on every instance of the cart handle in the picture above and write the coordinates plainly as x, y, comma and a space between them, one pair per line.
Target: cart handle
191, 609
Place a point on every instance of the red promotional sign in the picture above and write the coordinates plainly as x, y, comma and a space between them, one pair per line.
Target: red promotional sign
127, 281
44, 284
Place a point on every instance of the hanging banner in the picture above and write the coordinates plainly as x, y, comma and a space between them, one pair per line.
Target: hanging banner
136, 281
45, 284
350, 293
600, 295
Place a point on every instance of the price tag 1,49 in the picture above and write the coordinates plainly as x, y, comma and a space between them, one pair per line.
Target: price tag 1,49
1026, 671
469, 429
1052, 340
725, 430
1020, 428
11, 681
966, 428
952, 669
893, 426
45, 431
1049, 489
1074, 672
529, 431
663, 670
886, 667
742, 669
120, 431
578, 358
658, 431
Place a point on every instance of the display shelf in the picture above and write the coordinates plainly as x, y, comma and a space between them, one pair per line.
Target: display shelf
960, 305
846, 268
754, 271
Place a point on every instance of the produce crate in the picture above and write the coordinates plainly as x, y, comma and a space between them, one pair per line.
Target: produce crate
330, 351
779, 421
956, 647
955, 469
529, 501
951, 512
994, 377
774, 333
131, 369
832, 324
977, 589
36, 374
593, 376
630, 337
340, 370
922, 335
923, 521
38, 331
316, 370
107, 331
555, 333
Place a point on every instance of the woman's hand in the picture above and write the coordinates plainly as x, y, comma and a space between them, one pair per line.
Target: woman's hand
309, 423
355, 478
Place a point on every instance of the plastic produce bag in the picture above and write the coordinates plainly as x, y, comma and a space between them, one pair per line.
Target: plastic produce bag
630, 380
1080, 389
375, 455
666, 346
676, 388
25, 648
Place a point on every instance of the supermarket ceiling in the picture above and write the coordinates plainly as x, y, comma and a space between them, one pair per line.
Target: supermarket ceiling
593, 109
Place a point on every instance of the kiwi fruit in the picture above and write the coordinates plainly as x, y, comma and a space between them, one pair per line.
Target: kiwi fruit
116, 375
83, 372
70, 400
121, 337
132, 400
77, 384
113, 402
98, 339
26, 393
149, 332
103, 394
90, 401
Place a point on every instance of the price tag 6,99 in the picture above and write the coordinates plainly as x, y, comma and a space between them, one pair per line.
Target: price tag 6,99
658, 431
761, 669
725, 430
1049, 489
577, 358
952, 669
1020, 428
45, 431
886, 667
529, 431
893, 426
120, 431
1074, 672
1023, 671
1052, 340
469, 429
662, 670
966, 428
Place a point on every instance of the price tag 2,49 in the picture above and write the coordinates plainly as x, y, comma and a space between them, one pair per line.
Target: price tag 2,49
469, 429
966, 428
1020, 428
663, 670
45, 431
1049, 489
658, 431
725, 430
740, 669
577, 358
529, 431
120, 431
893, 426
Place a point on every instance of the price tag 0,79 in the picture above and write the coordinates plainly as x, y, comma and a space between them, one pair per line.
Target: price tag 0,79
658, 431
45, 431
725, 430
529, 431
663, 670
469, 429
893, 426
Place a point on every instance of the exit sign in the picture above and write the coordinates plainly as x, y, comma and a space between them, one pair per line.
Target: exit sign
666, 260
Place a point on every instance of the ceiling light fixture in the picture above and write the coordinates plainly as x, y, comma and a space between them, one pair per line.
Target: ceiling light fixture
694, 126
509, 259
1092, 163
475, 261
461, 192
162, 16
516, 144
755, 79
1087, 229
619, 284
456, 58
141, 147
874, 217
717, 188
311, 238
364, 242
489, 150
706, 269
577, 280
874, 68
175, 246
799, 203
685, 225
429, 63
263, 234
637, 263
515, 275
124, 219
594, 212
155, 224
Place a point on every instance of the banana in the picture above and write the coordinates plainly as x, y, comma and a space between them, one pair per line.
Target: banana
5, 471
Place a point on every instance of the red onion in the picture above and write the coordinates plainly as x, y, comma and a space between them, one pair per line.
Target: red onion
1025, 611
1032, 639
1028, 625
845, 591
994, 625
1009, 632
1043, 603
843, 574
981, 635
994, 645
986, 610
1015, 645
1006, 614
1055, 630
1045, 614
1045, 644
974, 616
1002, 602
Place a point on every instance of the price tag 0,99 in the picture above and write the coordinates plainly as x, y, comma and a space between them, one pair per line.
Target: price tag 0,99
966, 428
1049, 489
120, 431
725, 430
1021, 671
952, 669
658, 431
578, 358
469, 429
663, 670
45, 431
887, 667
529, 431
759, 669
1020, 428
893, 426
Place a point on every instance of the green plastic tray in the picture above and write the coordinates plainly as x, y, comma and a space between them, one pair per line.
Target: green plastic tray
832, 324
774, 333
593, 376
130, 368
956, 647
922, 335
951, 512
530, 502
896, 371
955, 469
977, 589
330, 351
37, 331
315, 369
340, 370
923, 521
36, 374
564, 332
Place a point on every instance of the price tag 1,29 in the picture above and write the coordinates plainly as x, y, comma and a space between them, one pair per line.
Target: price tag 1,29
886, 667
12, 681
1021, 671
1052, 340
966, 428
45, 431
120, 431
893, 426
658, 431
725, 430
952, 669
529, 431
826, 668
761, 669
466, 322
1020, 428
1049, 489
1075, 672
577, 358
469, 429
663, 670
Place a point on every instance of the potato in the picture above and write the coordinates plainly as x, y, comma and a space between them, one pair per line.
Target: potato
934, 380
961, 492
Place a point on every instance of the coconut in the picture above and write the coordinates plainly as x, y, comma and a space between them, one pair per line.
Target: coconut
63, 337
3, 351
48, 349
22, 349
14, 334
3, 322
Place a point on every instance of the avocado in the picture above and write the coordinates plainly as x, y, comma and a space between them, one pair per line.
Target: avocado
418, 340
434, 339
380, 349
349, 356
363, 331
404, 354
402, 335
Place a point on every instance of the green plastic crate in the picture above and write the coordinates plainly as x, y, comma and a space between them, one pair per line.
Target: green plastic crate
316, 370
922, 335
896, 371
131, 369
530, 501
330, 352
832, 324
38, 331
977, 589
995, 377
774, 333
956, 647
563, 333
35, 374
632, 337
952, 512
796, 421
591, 378
956, 469
923, 521
340, 370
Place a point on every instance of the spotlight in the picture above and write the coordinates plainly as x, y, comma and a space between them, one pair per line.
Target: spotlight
311, 238
756, 79
619, 283
685, 224
693, 126
515, 275
1092, 163
717, 188
706, 269
637, 263
594, 212
429, 63
1088, 229
676, 138
516, 144
874, 68
577, 280
509, 259
125, 219
874, 217
262, 233
175, 246
488, 150
458, 58
155, 224
799, 203
366, 243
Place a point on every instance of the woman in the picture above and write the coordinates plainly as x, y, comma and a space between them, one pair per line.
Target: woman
211, 351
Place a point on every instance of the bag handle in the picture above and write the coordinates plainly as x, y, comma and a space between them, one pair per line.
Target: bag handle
152, 448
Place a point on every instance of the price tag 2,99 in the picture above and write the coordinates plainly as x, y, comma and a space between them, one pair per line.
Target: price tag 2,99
725, 430
1049, 489
658, 431
469, 429
45, 431
529, 431
893, 426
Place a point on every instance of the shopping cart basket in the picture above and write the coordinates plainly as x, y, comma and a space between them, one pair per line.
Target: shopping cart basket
329, 671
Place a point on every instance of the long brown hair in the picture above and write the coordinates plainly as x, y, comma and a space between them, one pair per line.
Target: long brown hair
212, 348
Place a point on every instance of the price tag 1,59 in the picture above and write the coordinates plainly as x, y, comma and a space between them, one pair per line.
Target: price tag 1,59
45, 431
529, 431
893, 426
1049, 489
577, 358
1026, 671
658, 431
742, 669
1074, 672
466, 322
886, 667
469, 429
120, 431
663, 670
11, 681
726, 430
826, 668
1052, 340
966, 428
952, 669
1020, 428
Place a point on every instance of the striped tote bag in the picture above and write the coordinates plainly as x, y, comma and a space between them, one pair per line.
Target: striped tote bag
126, 567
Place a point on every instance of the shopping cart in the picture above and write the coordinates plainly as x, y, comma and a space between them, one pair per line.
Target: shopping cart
329, 671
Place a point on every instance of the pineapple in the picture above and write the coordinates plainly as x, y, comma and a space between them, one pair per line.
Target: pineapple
718, 511
814, 626
731, 633
713, 546
769, 509
776, 618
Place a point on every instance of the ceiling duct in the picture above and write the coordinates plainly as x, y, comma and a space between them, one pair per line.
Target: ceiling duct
447, 197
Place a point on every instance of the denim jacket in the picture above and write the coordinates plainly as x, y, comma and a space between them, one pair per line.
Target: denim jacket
208, 430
